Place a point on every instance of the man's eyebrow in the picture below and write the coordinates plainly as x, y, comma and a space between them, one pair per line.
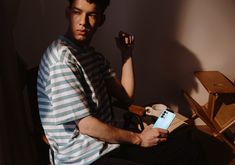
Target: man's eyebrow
75, 8
78, 9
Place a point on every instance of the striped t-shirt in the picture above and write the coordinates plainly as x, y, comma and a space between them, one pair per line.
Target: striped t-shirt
71, 86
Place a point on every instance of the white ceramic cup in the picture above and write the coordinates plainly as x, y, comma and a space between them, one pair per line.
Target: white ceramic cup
160, 107
155, 109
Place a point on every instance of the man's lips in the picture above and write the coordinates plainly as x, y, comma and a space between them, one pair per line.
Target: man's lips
82, 32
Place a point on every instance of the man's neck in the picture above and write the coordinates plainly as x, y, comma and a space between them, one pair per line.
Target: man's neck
80, 44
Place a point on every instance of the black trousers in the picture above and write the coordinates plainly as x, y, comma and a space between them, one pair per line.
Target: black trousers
181, 148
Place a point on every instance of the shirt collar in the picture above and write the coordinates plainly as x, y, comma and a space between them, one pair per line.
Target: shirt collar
79, 48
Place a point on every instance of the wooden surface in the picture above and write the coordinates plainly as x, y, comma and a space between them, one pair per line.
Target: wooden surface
225, 116
215, 82
219, 114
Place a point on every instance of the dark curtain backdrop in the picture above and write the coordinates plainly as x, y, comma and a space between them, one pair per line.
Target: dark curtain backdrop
16, 146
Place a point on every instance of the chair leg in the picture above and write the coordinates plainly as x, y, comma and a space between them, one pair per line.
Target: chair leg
224, 138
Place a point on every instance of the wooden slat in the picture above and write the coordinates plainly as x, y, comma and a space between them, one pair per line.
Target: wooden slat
215, 82
225, 117
219, 114
200, 111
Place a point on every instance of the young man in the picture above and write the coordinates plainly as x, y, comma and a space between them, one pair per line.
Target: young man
74, 83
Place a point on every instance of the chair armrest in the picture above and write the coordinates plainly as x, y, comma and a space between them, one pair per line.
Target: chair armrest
135, 109
138, 110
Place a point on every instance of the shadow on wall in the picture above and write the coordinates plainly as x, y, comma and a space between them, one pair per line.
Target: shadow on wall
38, 23
163, 66
170, 72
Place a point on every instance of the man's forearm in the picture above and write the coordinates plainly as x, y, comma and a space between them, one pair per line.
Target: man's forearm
127, 79
125, 43
97, 129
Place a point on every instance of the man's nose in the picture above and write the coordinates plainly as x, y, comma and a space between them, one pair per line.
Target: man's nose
83, 19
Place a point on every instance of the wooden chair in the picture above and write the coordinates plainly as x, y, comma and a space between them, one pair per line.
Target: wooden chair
219, 113
38, 133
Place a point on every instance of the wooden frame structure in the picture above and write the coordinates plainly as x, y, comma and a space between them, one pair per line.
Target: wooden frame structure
219, 113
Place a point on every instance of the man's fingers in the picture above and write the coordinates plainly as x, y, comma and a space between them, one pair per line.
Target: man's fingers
158, 141
162, 139
126, 39
164, 131
131, 39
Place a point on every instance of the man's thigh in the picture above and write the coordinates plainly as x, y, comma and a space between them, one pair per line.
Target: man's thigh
114, 158
180, 148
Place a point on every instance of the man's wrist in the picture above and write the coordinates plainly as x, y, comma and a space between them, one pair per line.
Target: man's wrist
138, 139
126, 58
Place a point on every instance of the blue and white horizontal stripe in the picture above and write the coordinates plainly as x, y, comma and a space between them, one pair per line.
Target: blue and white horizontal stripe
63, 98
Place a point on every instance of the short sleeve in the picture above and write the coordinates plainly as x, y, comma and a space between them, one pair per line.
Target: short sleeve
67, 95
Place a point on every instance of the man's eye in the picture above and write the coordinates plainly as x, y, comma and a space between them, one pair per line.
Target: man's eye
76, 12
93, 16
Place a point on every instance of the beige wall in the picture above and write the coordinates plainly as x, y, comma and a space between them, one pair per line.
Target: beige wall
173, 39
207, 28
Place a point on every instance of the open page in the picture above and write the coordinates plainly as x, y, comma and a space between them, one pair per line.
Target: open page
178, 120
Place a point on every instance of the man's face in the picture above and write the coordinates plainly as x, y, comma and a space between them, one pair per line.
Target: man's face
84, 18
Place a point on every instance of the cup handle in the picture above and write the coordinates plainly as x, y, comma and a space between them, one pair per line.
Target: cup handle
149, 110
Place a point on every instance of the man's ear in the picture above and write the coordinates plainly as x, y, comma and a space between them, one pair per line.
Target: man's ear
102, 20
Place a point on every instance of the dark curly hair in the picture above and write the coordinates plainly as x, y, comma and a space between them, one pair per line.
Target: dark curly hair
103, 4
